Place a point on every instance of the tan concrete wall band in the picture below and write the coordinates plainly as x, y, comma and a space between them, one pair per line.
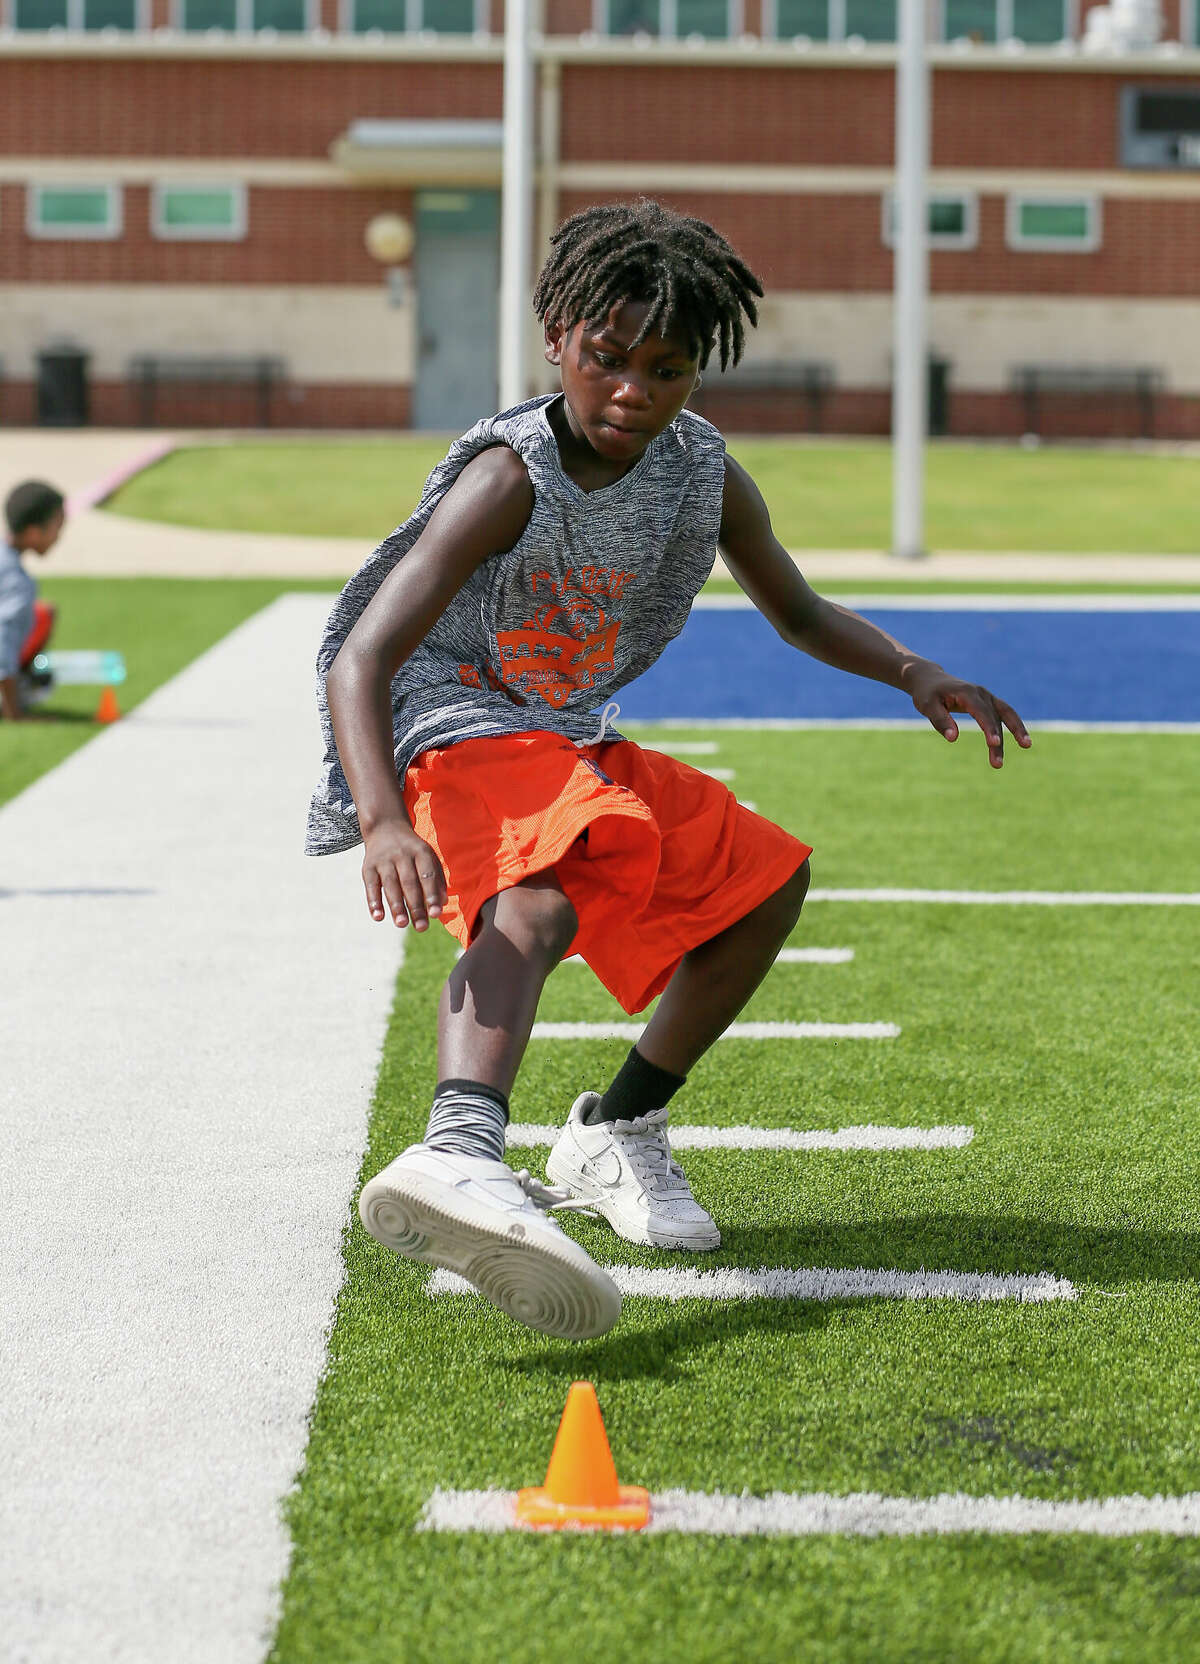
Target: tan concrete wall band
337, 335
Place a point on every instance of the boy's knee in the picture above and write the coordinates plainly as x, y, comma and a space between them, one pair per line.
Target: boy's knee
540, 919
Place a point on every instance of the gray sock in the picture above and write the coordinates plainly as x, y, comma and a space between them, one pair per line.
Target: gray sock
467, 1119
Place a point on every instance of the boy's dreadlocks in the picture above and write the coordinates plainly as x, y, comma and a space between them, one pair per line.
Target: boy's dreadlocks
641, 251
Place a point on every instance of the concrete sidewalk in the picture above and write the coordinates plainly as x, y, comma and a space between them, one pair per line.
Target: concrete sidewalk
99, 544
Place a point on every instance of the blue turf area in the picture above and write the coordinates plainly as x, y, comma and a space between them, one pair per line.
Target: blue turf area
1052, 666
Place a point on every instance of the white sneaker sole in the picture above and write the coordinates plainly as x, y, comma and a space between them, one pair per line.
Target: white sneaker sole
546, 1282
698, 1239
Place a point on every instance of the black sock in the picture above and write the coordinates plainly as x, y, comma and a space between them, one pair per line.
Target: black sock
637, 1089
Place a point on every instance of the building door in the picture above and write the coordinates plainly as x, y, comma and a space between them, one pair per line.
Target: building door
458, 279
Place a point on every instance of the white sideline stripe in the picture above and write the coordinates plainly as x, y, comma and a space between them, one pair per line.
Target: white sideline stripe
778, 1283
1020, 898
735, 1031
972, 601
861, 1514
887, 724
528, 1135
814, 956
183, 1107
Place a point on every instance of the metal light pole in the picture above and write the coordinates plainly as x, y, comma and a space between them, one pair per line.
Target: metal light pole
516, 218
911, 286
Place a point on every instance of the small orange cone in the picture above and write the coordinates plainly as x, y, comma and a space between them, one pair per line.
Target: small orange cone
581, 1486
108, 710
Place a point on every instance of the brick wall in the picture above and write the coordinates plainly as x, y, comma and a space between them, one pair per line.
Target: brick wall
836, 118
189, 108
1150, 247
293, 235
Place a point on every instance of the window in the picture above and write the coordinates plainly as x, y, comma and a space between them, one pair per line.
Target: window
1070, 224
73, 211
953, 220
834, 20
670, 19
76, 14
1039, 22
289, 17
397, 17
212, 213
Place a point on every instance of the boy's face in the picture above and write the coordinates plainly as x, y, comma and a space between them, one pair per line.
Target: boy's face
619, 397
41, 539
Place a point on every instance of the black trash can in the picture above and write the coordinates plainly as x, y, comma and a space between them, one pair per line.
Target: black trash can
939, 394
62, 387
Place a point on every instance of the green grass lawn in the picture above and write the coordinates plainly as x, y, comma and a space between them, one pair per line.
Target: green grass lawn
159, 624
833, 496
1066, 1038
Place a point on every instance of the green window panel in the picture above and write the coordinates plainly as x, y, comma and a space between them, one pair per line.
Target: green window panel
189, 208
288, 16
68, 209
802, 17
449, 17
210, 14
629, 17
1062, 221
872, 19
975, 19
703, 17
41, 14
110, 14
947, 217
388, 15
1040, 22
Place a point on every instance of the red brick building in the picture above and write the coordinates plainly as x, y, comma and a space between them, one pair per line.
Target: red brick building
185, 187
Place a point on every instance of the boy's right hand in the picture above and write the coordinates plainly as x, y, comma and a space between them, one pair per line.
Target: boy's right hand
402, 872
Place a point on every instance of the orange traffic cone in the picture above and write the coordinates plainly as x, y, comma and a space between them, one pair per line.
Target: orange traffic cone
581, 1482
108, 710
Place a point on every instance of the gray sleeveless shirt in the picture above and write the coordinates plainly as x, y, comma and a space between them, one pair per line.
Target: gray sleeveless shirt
539, 638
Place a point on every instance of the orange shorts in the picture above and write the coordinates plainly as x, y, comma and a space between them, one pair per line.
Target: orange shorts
669, 860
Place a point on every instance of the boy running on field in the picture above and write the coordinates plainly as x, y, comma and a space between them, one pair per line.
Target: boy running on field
555, 552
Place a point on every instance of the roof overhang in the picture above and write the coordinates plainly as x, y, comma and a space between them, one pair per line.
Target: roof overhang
420, 152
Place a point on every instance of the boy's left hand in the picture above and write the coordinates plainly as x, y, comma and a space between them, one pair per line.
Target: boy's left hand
936, 694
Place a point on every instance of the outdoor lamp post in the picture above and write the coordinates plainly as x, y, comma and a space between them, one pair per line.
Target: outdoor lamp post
390, 240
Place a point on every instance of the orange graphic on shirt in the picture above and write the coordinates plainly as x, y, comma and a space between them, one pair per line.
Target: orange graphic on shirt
568, 643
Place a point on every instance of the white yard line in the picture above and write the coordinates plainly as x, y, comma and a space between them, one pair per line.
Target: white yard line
690, 748
967, 601
190, 1050
725, 774
735, 1031
816, 1283
888, 724
864, 1514
1020, 898
814, 956
528, 1135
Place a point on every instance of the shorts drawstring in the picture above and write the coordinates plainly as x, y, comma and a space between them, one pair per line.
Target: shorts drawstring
610, 713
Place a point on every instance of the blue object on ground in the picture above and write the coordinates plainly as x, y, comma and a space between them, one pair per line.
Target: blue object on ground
1052, 666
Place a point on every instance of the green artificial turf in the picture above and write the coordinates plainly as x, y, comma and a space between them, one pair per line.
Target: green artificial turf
821, 496
159, 624
1065, 1037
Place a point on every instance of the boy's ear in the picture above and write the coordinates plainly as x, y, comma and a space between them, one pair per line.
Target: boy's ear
556, 340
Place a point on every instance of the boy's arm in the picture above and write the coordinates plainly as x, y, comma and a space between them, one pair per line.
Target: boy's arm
484, 513
765, 570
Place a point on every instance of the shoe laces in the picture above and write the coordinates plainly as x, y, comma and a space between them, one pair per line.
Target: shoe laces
644, 1142
550, 1198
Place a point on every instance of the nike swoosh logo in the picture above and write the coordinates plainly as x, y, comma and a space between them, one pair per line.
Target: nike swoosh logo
609, 1174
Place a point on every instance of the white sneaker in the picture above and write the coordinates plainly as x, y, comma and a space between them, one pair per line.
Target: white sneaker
477, 1217
625, 1170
